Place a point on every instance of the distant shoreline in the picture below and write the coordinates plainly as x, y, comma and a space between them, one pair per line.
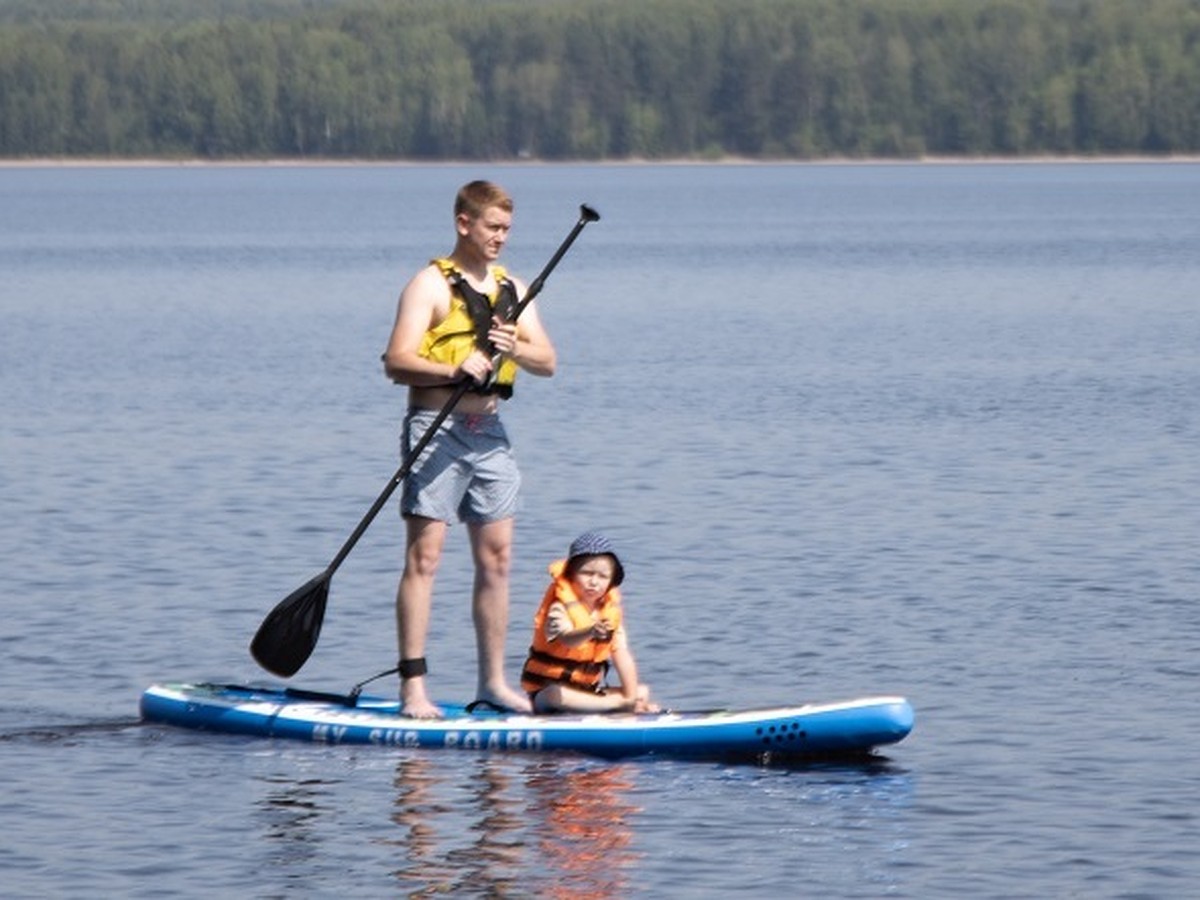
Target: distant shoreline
154, 162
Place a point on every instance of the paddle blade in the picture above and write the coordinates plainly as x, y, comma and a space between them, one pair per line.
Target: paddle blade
289, 633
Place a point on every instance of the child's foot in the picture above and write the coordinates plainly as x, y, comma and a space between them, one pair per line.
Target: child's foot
643, 703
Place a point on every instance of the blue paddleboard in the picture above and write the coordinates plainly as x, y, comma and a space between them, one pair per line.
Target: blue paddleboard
848, 727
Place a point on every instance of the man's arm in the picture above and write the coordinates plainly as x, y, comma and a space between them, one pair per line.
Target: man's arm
424, 301
533, 351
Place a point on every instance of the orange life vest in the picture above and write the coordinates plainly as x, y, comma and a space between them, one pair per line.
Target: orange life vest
582, 666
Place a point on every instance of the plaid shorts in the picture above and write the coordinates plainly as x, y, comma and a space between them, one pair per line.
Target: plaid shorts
467, 471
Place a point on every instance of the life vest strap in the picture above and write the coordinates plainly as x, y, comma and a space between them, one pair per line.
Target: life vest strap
481, 310
589, 670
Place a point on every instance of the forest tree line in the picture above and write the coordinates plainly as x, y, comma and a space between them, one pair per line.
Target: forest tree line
598, 79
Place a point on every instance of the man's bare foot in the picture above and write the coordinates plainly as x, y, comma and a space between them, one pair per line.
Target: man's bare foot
506, 697
414, 703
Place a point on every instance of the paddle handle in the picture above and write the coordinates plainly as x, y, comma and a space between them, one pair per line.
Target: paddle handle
586, 214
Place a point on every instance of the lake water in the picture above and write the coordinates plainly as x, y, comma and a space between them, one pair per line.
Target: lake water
930, 430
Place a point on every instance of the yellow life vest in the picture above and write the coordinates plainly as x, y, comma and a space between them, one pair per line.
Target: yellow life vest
582, 666
466, 324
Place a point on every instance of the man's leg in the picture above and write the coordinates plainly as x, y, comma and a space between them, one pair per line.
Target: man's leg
491, 547
414, 599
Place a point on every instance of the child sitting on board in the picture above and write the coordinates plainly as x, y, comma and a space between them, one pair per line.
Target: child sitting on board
577, 632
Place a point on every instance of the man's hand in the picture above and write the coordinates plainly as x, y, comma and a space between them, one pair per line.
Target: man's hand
477, 366
503, 336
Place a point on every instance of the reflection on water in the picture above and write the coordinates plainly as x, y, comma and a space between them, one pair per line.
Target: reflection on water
514, 824
454, 838
489, 825
293, 809
585, 837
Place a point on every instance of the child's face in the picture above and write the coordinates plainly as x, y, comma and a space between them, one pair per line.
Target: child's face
592, 578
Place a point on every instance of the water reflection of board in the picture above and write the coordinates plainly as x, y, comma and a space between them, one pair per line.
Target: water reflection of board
814, 729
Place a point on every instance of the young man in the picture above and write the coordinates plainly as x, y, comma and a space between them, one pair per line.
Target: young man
468, 471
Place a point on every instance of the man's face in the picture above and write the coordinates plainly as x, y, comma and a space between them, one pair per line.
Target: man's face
488, 232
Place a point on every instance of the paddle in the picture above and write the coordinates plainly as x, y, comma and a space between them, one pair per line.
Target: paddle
289, 633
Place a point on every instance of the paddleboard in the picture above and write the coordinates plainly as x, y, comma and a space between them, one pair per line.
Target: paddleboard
846, 728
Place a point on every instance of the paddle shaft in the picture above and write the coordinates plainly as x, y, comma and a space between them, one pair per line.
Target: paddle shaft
586, 214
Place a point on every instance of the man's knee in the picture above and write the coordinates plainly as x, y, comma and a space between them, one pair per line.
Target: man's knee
496, 560
492, 549
422, 559
423, 552
422, 565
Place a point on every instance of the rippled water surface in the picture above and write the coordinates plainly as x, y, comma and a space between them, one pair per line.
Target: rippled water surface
925, 430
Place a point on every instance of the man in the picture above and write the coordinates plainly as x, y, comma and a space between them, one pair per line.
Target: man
468, 471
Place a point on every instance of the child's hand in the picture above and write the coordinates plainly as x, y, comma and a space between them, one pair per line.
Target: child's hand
602, 631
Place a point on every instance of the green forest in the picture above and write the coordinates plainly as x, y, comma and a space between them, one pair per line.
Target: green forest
597, 79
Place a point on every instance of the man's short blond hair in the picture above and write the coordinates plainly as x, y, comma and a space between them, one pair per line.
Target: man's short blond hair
477, 196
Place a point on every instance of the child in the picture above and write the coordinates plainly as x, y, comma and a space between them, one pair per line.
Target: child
576, 632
